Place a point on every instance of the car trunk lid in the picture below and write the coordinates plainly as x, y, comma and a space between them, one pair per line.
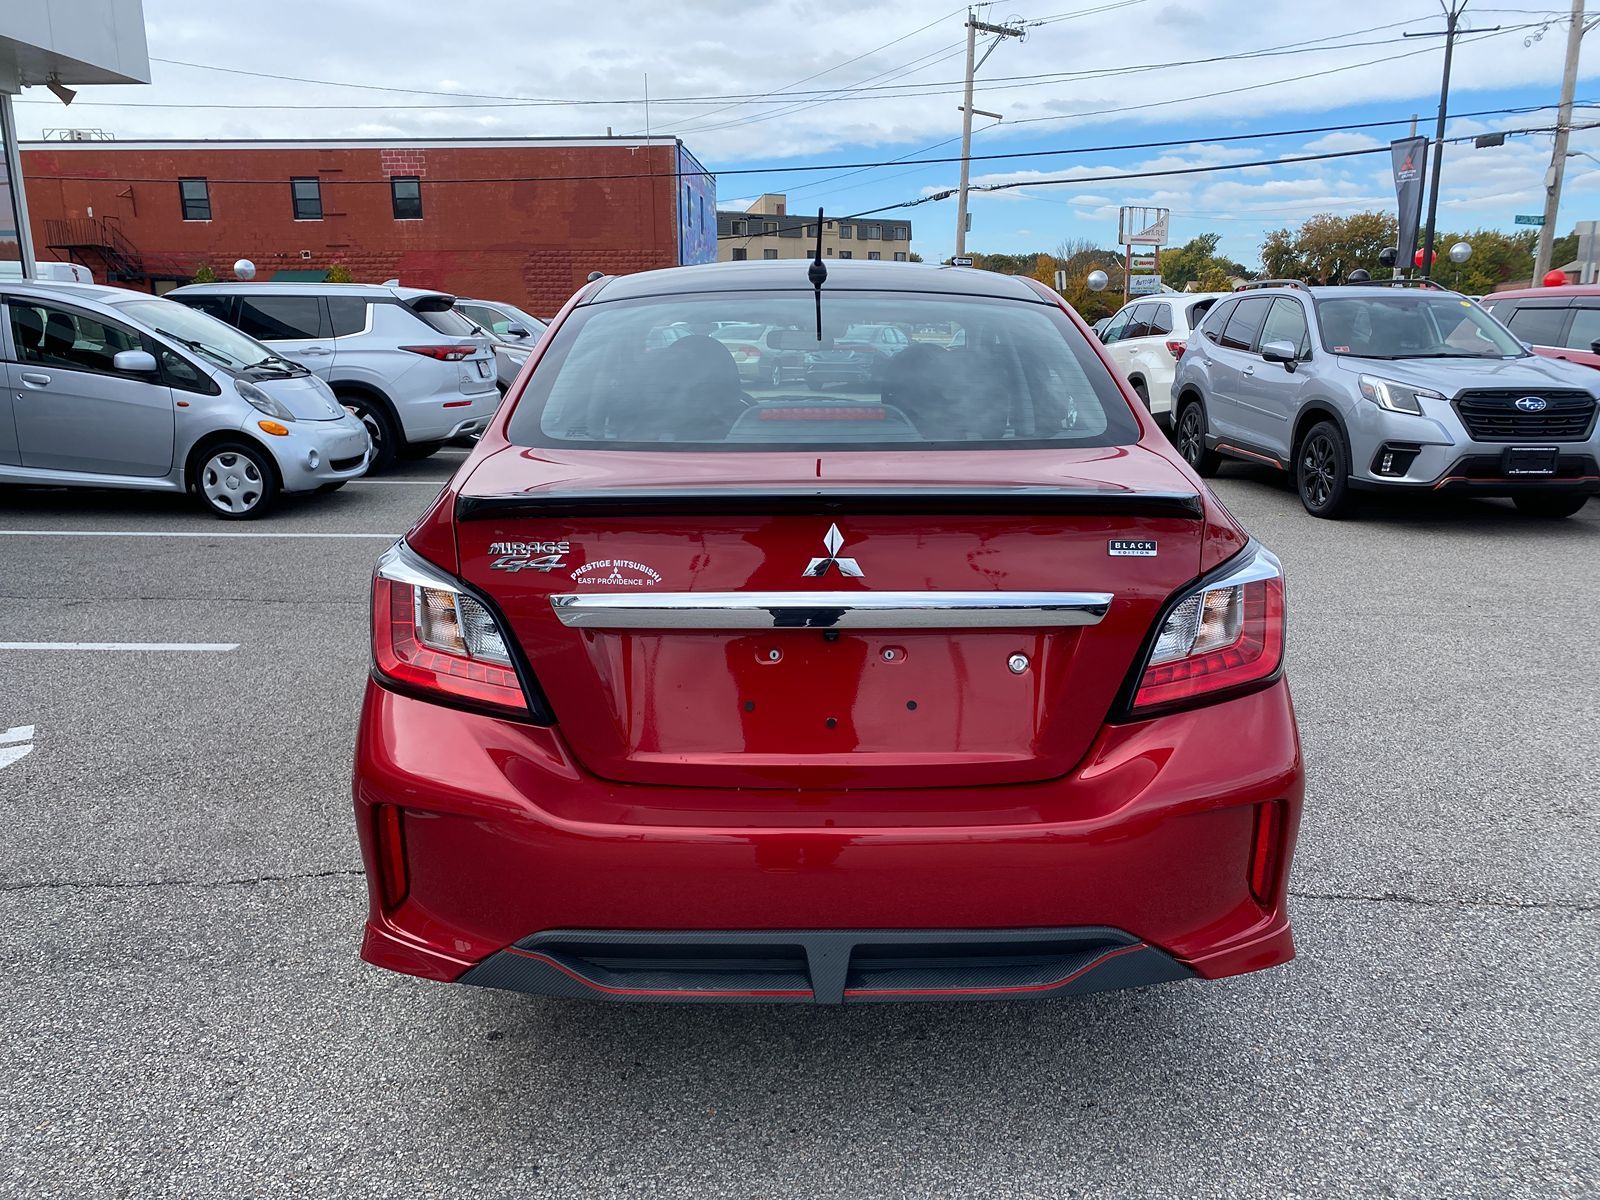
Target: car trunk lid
834, 620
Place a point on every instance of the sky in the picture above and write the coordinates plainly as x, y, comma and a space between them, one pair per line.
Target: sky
752, 85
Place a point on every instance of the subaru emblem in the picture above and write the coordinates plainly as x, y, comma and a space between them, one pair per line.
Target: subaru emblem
1533, 404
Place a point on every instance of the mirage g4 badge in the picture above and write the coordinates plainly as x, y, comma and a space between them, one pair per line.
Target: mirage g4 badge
529, 556
847, 566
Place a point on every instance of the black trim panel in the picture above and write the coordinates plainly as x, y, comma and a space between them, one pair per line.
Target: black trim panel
741, 501
824, 966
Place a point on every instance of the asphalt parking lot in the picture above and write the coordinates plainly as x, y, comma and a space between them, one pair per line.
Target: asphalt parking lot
184, 1014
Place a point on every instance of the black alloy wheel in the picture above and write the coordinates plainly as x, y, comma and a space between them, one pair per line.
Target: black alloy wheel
1322, 472
1192, 440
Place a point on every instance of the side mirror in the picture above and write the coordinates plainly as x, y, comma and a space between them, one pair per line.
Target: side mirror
1281, 352
1594, 346
135, 362
516, 331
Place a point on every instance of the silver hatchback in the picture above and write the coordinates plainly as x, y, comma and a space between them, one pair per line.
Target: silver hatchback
111, 388
1375, 387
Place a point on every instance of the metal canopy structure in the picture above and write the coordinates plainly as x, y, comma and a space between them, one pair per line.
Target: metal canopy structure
58, 44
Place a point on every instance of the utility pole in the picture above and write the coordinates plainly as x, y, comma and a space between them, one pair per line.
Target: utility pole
1001, 32
1453, 10
1558, 156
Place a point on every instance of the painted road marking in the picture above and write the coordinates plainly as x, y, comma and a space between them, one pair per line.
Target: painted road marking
200, 647
165, 533
15, 745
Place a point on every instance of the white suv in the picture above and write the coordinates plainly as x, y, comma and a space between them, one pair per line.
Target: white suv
413, 370
1146, 338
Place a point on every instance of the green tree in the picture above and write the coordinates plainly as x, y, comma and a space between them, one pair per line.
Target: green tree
205, 273
1217, 277
339, 273
1328, 247
1497, 258
1182, 265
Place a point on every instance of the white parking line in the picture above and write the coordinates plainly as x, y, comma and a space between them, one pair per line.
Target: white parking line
165, 533
21, 733
204, 647
10, 750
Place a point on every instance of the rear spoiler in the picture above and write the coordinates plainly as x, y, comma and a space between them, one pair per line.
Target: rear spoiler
765, 501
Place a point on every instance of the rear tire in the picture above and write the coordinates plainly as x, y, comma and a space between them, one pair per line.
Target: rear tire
1554, 506
1322, 472
236, 482
380, 428
419, 450
1143, 393
1191, 440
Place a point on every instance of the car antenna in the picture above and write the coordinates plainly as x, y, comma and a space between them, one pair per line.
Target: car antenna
818, 274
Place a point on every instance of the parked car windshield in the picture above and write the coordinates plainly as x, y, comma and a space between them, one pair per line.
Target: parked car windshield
958, 372
204, 334
1412, 326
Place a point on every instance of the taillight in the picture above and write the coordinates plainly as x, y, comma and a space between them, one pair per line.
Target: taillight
1223, 636
442, 353
393, 883
431, 637
1175, 348
744, 354
1264, 851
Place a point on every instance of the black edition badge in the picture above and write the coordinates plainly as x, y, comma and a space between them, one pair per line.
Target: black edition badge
1122, 548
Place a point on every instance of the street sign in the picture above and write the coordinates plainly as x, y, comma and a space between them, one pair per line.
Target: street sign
1529, 219
1142, 226
1143, 261
1061, 280
961, 261
1143, 285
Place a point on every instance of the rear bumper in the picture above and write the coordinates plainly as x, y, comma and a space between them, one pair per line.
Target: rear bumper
1135, 868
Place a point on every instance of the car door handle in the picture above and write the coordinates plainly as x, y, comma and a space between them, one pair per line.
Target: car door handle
316, 350
1249, 371
36, 379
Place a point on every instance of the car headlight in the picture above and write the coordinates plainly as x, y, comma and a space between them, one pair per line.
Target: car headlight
1396, 397
259, 400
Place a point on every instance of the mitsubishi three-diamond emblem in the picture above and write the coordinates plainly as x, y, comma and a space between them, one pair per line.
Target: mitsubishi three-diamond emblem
847, 566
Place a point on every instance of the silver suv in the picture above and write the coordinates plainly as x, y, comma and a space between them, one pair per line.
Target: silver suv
1385, 387
415, 372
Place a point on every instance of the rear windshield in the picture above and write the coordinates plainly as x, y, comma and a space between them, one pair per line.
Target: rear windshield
1432, 326
446, 321
746, 371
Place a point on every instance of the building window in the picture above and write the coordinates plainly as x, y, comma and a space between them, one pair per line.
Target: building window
769, 227
874, 233
900, 256
740, 254
307, 198
405, 197
846, 254
737, 229
874, 255
769, 254
196, 197
846, 232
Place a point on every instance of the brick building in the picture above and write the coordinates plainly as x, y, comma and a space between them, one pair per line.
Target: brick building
523, 220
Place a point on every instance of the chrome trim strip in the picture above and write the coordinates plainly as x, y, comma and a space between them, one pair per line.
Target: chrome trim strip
830, 610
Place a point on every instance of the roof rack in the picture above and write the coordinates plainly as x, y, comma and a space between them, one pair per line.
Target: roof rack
1248, 285
1416, 283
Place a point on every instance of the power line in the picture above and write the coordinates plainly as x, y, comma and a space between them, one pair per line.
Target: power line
893, 162
1177, 171
784, 96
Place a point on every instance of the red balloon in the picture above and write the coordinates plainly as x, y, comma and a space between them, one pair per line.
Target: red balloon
1555, 279
1417, 258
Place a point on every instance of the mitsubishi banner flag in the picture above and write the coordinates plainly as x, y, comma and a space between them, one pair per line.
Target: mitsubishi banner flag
1410, 157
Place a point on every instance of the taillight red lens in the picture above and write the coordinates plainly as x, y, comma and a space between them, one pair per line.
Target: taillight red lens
1224, 636
1265, 844
1175, 348
430, 636
393, 884
442, 353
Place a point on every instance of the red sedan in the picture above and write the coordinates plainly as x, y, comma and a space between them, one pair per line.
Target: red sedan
956, 683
